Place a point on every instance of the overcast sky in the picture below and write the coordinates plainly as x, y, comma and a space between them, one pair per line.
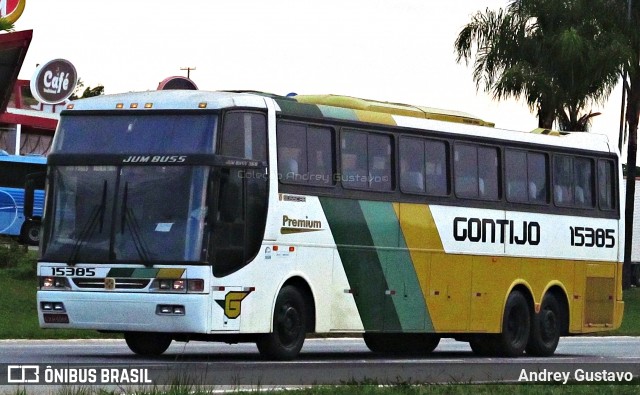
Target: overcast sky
390, 50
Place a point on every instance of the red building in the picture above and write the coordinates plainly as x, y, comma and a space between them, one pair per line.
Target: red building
26, 126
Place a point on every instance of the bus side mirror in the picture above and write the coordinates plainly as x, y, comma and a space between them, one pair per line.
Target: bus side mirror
32, 182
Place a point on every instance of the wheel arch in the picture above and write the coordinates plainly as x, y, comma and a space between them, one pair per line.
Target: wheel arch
525, 289
558, 291
305, 289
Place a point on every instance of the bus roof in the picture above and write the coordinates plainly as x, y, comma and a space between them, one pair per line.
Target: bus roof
407, 110
338, 107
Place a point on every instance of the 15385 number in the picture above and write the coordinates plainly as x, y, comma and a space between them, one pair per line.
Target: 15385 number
589, 237
73, 271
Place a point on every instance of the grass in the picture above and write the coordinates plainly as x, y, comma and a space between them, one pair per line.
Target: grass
437, 389
631, 319
18, 310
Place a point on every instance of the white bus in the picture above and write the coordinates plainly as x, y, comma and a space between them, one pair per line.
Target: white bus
248, 217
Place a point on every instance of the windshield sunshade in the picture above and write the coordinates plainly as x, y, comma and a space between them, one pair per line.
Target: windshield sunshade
135, 133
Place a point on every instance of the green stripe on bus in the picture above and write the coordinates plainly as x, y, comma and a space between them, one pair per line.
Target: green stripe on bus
120, 272
339, 113
361, 263
290, 107
404, 287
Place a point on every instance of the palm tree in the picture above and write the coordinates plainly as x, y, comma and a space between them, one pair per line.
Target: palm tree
545, 52
5, 25
561, 55
622, 17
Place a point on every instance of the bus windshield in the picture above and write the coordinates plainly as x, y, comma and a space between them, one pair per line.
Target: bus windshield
126, 214
135, 133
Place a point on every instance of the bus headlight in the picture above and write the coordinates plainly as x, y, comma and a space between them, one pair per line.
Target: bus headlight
49, 283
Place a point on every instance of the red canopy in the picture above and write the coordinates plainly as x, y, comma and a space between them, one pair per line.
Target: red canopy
13, 49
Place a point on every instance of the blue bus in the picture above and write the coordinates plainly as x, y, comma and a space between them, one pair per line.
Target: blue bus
14, 170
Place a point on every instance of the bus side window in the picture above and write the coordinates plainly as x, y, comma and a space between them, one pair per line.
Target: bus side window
244, 135
379, 153
412, 165
583, 177
466, 171
436, 168
606, 177
292, 152
354, 159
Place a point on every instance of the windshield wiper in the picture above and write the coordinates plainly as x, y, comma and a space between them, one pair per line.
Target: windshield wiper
129, 219
96, 217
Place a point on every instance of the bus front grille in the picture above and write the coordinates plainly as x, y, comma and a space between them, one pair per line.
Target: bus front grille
120, 283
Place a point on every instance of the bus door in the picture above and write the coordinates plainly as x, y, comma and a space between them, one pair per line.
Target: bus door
237, 218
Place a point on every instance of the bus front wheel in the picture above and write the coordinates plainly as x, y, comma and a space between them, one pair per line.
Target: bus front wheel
289, 327
546, 327
147, 343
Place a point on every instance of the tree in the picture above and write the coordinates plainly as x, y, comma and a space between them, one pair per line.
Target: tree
622, 16
6, 25
546, 52
584, 43
88, 91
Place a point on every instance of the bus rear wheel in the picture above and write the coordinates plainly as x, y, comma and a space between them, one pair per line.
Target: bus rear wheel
513, 339
147, 343
289, 327
546, 327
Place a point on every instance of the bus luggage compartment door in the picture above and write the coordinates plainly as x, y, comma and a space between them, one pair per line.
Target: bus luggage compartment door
227, 308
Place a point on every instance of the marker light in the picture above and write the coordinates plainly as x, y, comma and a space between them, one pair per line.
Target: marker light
202, 105
120, 105
148, 105
133, 105
70, 106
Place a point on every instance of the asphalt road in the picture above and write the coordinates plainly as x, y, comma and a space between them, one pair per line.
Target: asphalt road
330, 361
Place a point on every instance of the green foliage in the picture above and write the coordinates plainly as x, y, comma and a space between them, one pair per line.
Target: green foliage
631, 317
16, 259
5, 25
88, 91
553, 54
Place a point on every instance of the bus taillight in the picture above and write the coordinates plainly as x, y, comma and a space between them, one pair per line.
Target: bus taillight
178, 286
195, 285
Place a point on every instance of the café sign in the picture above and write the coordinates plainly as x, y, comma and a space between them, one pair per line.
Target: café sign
54, 81
11, 9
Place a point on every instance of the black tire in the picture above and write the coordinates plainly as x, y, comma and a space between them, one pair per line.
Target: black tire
401, 343
483, 345
147, 343
516, 326
290, 320
546, 327
426, 343
30, 233
376, 342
